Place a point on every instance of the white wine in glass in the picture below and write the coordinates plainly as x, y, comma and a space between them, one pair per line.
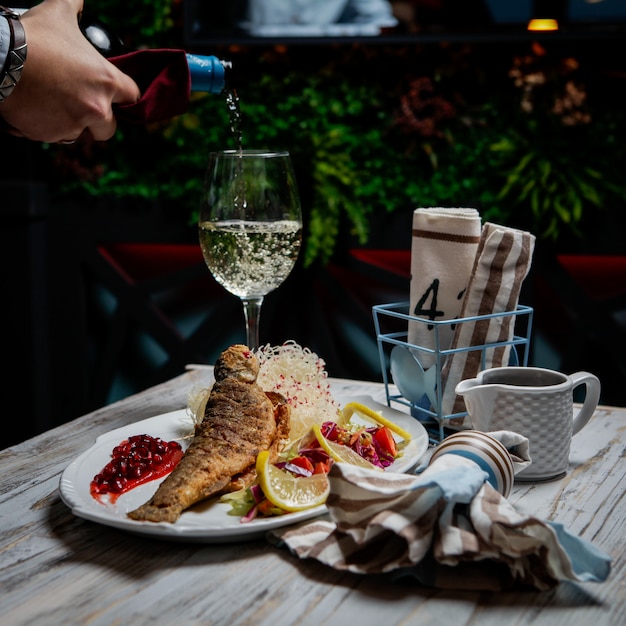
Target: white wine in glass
250, 226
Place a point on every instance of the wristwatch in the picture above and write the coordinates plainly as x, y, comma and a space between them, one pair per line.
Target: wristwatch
14, 63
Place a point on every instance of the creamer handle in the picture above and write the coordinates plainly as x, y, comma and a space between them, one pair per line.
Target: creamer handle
592, 397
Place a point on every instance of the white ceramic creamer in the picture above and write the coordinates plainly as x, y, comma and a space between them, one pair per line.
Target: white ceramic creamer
537, 403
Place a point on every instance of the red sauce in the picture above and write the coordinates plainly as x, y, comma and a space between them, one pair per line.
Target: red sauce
135, 461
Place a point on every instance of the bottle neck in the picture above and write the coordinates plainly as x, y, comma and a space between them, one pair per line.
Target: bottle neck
208, 73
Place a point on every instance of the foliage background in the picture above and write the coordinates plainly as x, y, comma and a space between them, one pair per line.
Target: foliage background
529, 135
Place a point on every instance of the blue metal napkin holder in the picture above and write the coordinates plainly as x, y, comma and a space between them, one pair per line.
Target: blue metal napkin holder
396, 316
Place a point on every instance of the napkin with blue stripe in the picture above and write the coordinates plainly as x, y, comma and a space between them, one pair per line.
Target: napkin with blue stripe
446, 527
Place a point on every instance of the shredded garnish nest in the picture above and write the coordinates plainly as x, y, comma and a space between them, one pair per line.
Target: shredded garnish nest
300, 376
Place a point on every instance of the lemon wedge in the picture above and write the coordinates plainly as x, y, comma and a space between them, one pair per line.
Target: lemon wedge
341, 453
288, 492
365, 411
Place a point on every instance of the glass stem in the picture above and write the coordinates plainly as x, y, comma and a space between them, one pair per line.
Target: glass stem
252, 312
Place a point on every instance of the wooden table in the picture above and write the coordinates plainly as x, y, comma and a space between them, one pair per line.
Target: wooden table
57, 569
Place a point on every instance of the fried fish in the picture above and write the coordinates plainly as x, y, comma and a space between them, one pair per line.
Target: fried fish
240, 420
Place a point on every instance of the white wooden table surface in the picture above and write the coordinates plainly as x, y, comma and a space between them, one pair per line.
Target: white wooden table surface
57, 569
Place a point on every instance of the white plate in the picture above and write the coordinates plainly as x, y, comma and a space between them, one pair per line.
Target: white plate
208, 521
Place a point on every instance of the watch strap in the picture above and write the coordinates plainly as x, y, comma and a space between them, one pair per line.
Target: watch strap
16, 57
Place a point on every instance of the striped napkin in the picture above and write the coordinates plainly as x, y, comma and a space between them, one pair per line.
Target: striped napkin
502, 262
443, 249
446, 527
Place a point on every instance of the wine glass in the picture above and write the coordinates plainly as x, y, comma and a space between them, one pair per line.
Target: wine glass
250, 226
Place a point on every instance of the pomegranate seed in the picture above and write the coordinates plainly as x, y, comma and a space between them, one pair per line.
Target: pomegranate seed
133, 462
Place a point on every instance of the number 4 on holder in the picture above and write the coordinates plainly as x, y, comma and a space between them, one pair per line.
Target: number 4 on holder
431, 313
420, 308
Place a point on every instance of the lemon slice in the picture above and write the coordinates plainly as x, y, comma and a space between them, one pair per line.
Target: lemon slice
341, 453
288, 492
365, 411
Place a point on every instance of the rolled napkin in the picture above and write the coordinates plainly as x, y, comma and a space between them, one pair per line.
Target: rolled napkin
446, 527
164, 81
443, 249
502, 454
502, 262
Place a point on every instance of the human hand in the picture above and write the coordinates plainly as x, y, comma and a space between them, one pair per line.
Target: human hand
66, 87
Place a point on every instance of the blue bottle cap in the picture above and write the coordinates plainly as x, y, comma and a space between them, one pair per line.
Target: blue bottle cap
208, 73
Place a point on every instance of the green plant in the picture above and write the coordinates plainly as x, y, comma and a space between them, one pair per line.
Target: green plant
551, 182
148, 23
544, 156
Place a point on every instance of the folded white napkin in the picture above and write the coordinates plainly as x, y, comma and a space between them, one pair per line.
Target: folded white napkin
443, 250
446, 527
502, 262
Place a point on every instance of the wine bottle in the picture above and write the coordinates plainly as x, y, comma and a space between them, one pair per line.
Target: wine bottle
208, 73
